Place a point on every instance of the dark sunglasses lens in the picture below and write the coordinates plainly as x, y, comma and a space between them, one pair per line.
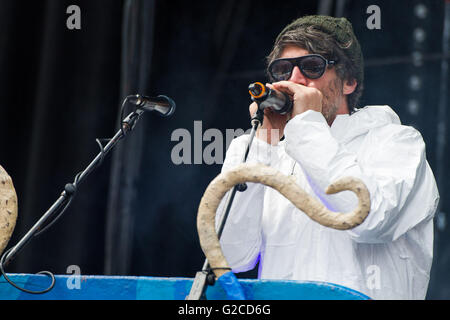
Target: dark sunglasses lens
281, 70
313, 67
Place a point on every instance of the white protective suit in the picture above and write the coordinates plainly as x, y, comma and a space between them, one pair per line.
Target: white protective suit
389, 255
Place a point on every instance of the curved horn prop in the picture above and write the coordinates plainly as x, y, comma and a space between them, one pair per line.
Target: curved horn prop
287, 187
8, 208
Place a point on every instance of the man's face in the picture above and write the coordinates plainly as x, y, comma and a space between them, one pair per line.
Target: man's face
332, 88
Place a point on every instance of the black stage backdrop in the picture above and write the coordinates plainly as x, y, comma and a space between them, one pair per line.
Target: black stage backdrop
61, 89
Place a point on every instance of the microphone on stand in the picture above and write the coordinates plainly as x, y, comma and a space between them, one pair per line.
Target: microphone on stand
161, 104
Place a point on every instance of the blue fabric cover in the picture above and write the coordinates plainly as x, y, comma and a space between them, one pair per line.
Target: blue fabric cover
232, 287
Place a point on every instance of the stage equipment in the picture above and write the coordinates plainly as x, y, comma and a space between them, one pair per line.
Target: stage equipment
206, 276
215, 265
162, 104
286, 185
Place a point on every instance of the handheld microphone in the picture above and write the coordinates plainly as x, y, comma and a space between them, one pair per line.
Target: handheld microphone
161, 104
270, 98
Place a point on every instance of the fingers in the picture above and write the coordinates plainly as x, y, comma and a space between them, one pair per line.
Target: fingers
304, 97
293, 88
268, 112
286, 86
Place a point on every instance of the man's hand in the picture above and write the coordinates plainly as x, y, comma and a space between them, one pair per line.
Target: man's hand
304, 98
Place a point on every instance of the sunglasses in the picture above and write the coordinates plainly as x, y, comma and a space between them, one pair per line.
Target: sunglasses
311, 66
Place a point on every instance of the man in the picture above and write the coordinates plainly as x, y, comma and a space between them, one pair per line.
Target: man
317, 61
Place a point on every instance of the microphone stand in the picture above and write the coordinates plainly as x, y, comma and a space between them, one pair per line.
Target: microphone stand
206, 276
127, 125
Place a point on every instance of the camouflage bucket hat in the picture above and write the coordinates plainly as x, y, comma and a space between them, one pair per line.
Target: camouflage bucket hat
340, 29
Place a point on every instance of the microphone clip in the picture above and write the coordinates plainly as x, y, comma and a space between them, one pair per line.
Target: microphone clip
162, 104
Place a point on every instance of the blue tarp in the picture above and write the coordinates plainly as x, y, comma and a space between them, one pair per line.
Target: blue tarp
80, 287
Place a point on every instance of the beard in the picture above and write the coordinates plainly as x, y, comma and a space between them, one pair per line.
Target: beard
332, 99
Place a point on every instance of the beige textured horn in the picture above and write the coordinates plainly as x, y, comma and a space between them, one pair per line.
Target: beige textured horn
8, 208
287, 187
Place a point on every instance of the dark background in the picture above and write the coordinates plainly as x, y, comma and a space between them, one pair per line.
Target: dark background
61, 89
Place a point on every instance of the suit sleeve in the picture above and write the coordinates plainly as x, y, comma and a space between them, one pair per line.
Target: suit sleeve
392, 163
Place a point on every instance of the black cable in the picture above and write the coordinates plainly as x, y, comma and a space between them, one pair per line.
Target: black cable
102, 150
68, 194
48, 273
70, 190
122, 112
56, 218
